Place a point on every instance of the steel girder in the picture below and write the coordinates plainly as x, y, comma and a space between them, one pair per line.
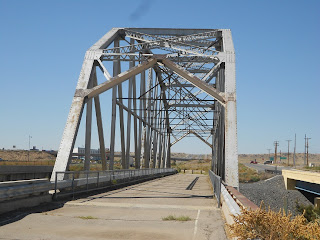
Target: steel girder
178, 83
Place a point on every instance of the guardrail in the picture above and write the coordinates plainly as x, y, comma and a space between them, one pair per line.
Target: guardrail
24, 188
216, 184
84, 181
229, 198
30, 193
231, 204
24, 193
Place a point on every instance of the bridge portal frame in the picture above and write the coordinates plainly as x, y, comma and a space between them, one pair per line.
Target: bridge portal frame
178, 69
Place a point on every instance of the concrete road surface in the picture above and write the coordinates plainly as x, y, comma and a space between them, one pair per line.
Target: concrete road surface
134, 212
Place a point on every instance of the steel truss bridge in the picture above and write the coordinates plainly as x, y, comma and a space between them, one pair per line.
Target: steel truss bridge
180, 83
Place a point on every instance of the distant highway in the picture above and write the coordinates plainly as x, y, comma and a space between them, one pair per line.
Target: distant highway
262, 167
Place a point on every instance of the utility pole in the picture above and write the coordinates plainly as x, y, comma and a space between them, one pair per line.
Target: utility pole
294, 151
305, 148
29, 148
308, 151
288, 149
276, 144
269, 149
280, 157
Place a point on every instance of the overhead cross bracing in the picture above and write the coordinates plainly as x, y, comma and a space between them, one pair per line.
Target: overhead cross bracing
179, 83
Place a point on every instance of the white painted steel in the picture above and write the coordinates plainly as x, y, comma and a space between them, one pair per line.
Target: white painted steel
73, 121
191, 90
231, 203
231, 141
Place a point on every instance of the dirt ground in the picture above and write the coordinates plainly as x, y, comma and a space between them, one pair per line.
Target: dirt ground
22, 155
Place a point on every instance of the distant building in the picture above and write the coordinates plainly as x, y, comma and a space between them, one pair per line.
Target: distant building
81, 151
34, 148
95, 153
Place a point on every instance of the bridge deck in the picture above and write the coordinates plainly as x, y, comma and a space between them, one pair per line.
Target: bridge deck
133, 212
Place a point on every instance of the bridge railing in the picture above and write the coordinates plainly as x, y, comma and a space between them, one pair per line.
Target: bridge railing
216, 184
85, 181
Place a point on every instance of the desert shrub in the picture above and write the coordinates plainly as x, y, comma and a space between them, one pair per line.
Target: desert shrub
263, 224
255, 178
178, 168
309, 212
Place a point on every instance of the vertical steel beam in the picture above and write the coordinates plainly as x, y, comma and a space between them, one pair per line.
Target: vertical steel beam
135, 123
143, 114
212, 154
88, 131
121, 121
155, 134
222, 143
168, 165
99, 125
159, 140
113, 127
214, 143
231, 143
139, 140
131, 64
158, 162
116, 71
164, 151
148, 142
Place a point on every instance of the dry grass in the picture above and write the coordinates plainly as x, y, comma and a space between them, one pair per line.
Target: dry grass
247, 174
27, 163
313, 169
22, 155
203, 165
262, 224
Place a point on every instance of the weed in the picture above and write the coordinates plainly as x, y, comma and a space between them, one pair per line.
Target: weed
174, 218
86, 217
309, 212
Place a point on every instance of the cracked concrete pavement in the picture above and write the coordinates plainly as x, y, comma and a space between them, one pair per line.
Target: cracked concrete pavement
134, 212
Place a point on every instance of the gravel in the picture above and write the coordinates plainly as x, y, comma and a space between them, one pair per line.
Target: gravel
273, 193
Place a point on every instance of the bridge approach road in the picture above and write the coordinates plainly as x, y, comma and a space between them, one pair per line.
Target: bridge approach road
134, 212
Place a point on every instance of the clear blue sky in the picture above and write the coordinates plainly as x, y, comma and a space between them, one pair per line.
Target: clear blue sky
42, 45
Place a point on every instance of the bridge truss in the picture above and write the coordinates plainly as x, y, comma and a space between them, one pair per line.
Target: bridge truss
179, 83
